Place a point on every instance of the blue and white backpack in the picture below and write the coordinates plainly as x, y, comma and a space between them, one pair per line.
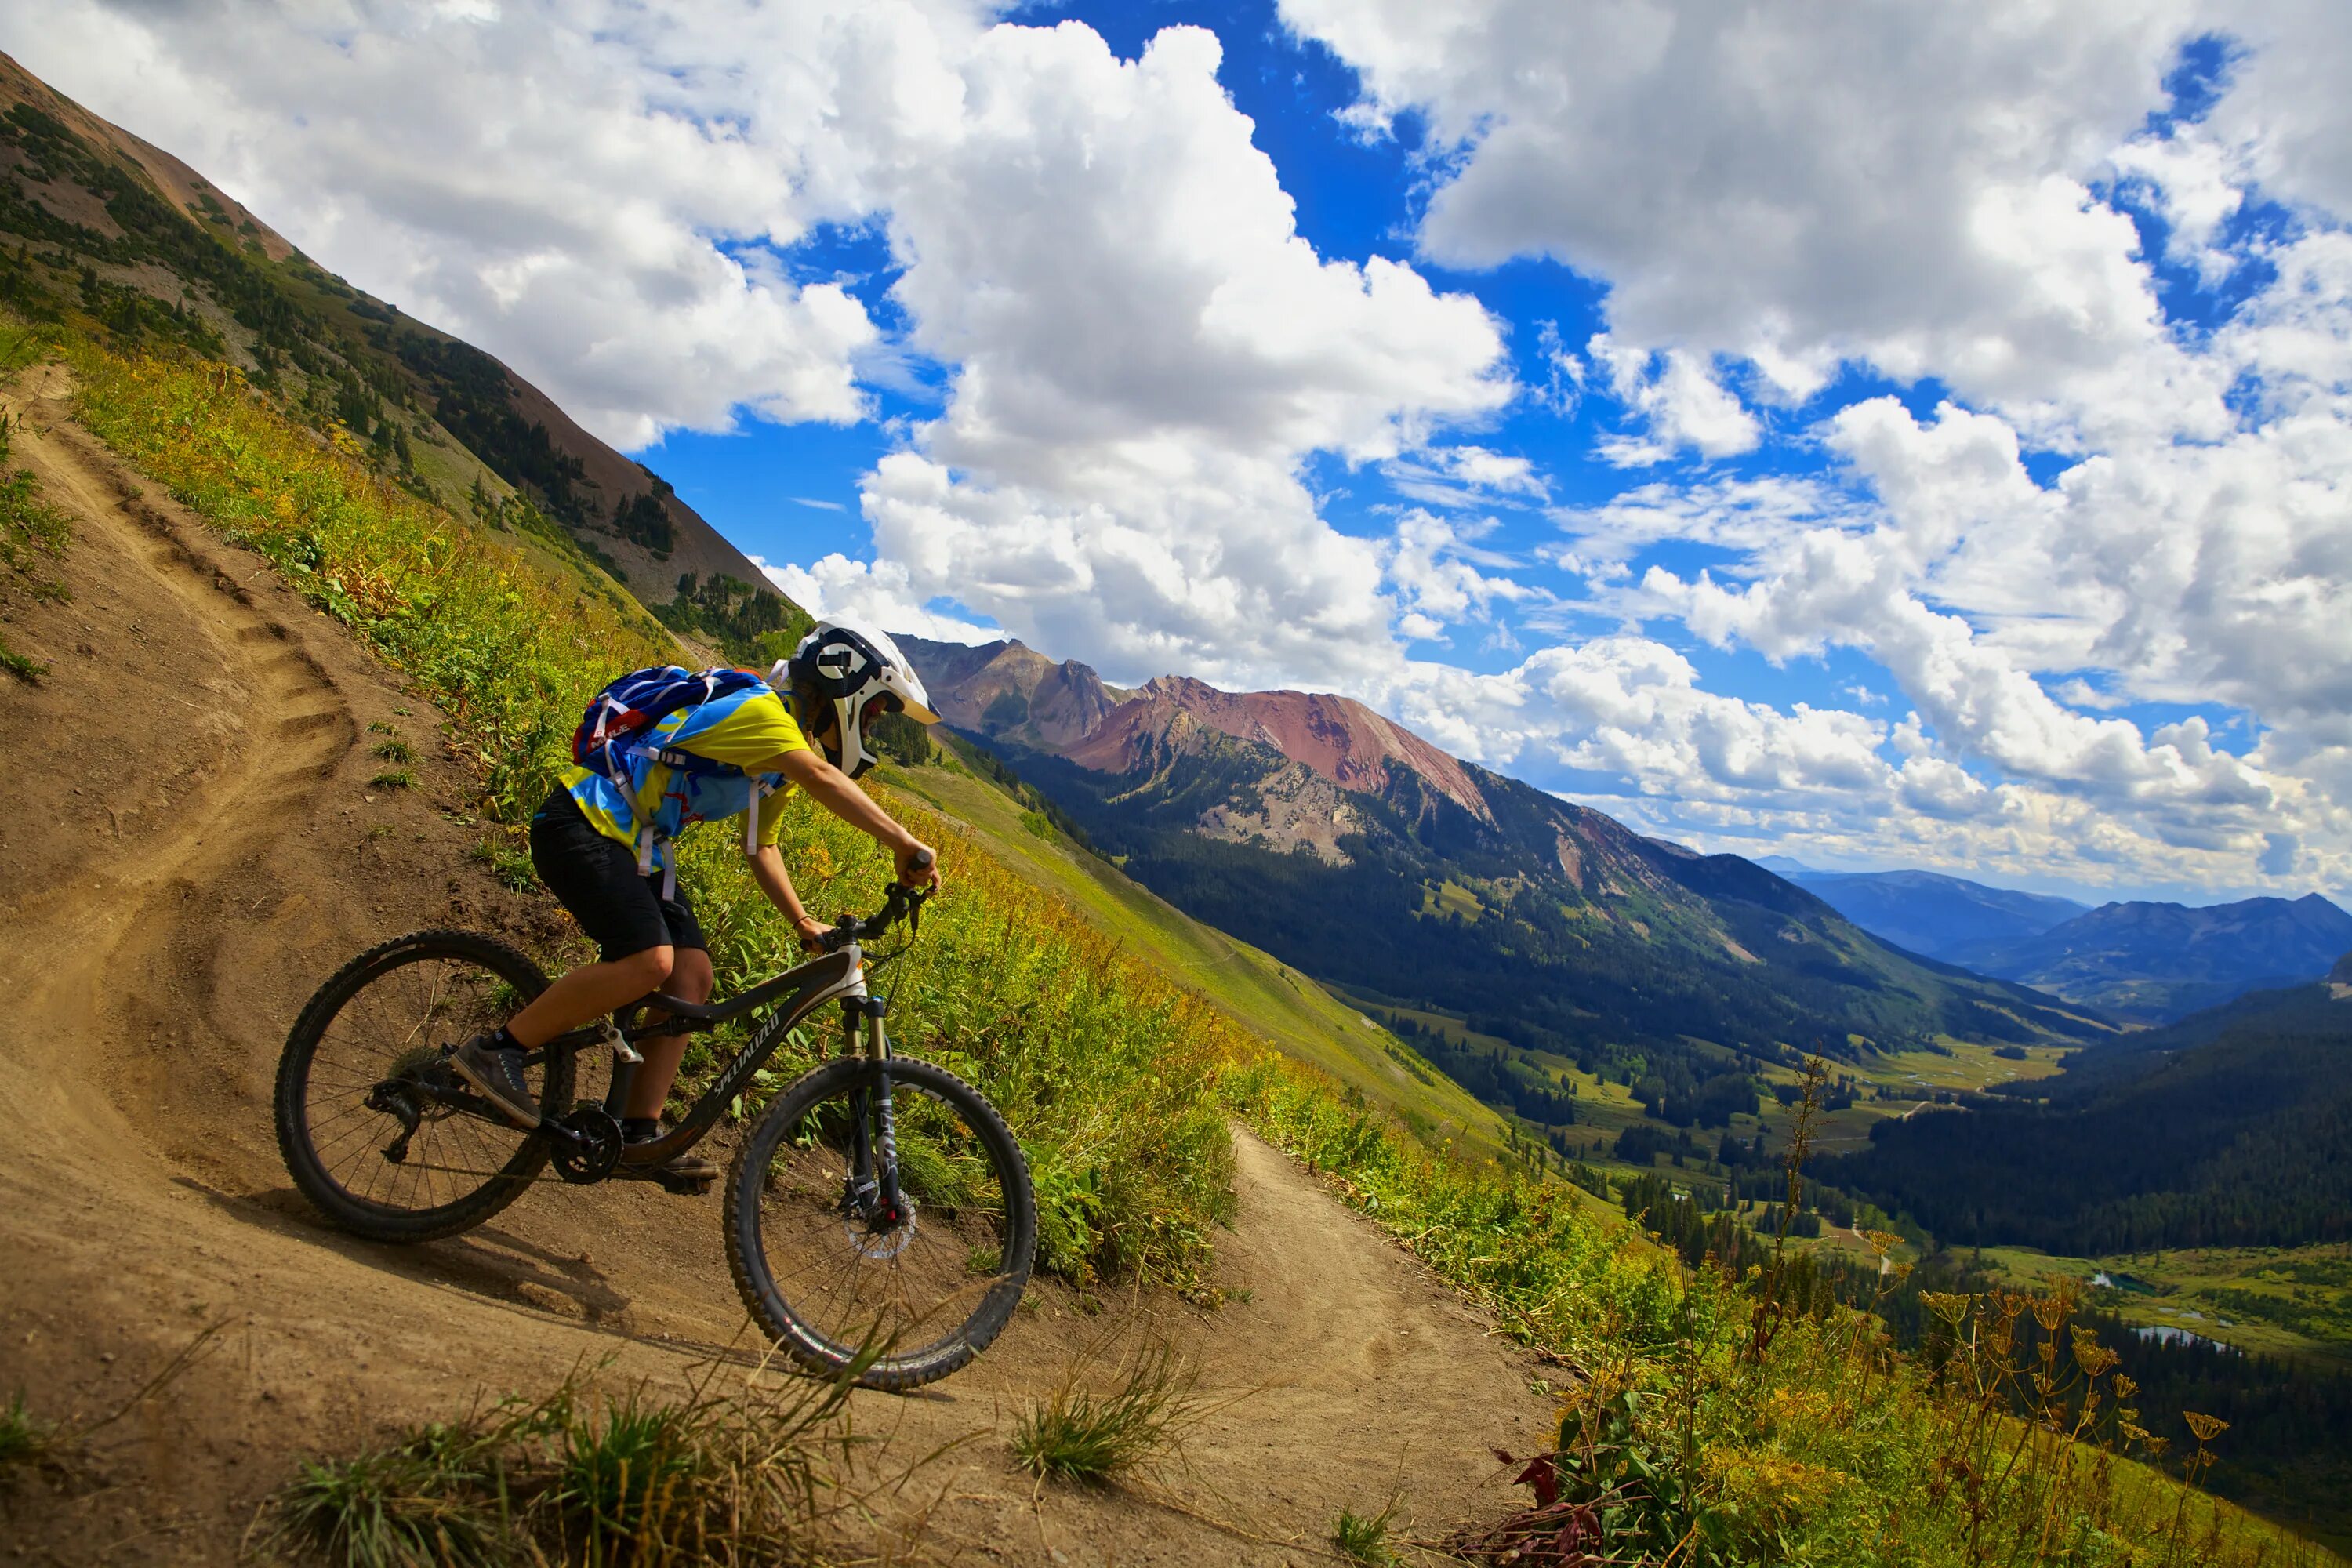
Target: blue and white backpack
614, 724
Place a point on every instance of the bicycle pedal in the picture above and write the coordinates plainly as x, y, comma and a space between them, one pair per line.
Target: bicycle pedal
685, 1186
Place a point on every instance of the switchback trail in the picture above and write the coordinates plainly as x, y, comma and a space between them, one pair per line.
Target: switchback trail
191, 842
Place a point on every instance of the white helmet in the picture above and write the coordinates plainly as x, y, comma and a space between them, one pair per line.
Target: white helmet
860, 671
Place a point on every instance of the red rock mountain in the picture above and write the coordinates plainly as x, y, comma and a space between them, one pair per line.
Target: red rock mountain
1336, 736
1010, 691
1332, 748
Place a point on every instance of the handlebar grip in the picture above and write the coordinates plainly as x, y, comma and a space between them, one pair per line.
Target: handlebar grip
923, 858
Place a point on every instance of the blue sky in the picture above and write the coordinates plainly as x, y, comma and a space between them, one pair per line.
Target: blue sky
1930, 456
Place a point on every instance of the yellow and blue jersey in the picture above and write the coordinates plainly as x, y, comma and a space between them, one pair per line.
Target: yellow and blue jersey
741, 728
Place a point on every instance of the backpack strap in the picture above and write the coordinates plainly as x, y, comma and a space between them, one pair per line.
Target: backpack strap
760, 791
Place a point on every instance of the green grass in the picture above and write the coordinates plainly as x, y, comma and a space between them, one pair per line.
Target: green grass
1364, 1538
32, 531
25, 1437
1078, 1433
728, 1478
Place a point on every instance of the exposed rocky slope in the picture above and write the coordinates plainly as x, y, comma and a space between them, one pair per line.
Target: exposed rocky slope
1011, 690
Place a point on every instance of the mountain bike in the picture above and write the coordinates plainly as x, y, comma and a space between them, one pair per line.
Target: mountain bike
878, 1199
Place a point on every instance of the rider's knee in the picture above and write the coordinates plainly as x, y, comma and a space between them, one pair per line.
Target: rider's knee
690, 975
652, 966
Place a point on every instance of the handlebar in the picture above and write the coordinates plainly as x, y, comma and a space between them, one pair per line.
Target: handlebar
902, 902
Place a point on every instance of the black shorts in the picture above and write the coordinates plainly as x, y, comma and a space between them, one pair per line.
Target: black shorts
596, 878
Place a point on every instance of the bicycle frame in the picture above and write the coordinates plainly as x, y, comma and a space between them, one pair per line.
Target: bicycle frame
839, 975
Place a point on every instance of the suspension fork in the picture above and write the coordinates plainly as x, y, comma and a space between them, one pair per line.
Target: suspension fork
880, 1128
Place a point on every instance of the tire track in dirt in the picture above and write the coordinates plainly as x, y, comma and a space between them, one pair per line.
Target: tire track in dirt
192, 845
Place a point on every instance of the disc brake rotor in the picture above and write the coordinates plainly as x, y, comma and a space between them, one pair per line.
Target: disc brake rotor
876, 1239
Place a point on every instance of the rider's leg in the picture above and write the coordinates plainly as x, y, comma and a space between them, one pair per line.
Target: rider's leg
594, 989
689, 980
597, 880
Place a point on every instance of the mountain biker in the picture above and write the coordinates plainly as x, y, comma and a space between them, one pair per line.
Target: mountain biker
607, 853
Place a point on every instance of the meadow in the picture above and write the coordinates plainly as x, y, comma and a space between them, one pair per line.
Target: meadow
2288, 1301
1705, 1419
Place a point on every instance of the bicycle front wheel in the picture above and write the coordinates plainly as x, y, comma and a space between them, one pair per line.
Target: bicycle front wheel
832, 1270
368, 1113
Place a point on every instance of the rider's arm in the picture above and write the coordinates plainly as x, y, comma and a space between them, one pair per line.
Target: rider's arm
768, 870
832, 788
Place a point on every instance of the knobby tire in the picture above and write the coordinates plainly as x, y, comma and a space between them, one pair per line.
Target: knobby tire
893, 1369
378, 1222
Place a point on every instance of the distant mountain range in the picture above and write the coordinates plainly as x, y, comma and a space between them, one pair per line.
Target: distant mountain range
2146, 963
2153, 963
2231, 1128
1356, 850
1927, 912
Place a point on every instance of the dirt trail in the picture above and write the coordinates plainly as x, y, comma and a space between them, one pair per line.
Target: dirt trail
190, 842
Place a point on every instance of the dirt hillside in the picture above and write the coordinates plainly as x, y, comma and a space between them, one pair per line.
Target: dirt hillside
191, 843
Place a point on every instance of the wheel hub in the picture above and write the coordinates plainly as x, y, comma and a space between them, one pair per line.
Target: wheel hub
422, 1078
878, 1229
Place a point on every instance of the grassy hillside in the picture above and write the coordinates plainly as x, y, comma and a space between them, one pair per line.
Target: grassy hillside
2288, 1301
2231, 1128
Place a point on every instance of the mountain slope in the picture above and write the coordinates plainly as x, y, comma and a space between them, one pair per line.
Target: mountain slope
2231, 1128
93, 219
1930, 913
2155, 962
1009, 690
1354, 851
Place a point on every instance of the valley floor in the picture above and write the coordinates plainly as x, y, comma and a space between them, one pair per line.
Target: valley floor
193, 839
2293, 1301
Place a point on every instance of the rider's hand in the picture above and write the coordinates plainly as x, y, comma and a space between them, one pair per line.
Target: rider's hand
812, 933
919, 865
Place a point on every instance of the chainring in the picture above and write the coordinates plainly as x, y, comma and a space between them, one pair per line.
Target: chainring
594, 1149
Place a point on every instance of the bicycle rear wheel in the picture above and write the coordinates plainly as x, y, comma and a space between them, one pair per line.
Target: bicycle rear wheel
830, 1273
368, 1111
